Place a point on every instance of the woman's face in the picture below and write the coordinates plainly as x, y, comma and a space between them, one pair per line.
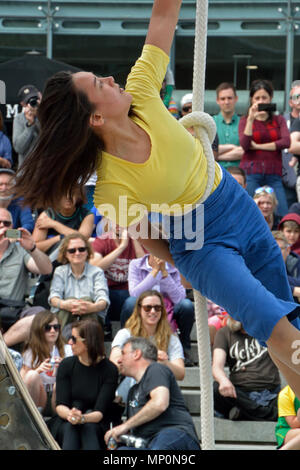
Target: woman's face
103, 92
76, 252
265, 204
52, 330
151, 316
261, 96
77, 343
67, 203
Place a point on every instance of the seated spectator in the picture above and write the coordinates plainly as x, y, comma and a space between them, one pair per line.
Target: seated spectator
153, 273
238, 174
149, 320
52, 225
292, 263
85, 390
78, 289
266, 200
26, 126
5, 147
17, 258
287, 430
250, 392
42, 354
156, 411
113, 252
22, 216
290, 227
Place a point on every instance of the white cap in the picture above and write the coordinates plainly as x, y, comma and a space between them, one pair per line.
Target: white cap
188, 98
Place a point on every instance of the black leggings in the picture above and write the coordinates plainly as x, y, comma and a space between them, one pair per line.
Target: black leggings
86, 436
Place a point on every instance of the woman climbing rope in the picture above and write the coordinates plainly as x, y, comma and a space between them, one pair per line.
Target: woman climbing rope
143, 157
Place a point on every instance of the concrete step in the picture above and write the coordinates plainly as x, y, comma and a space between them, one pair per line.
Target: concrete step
252, 433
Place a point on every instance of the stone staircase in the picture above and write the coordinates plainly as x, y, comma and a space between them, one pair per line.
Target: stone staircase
229, 435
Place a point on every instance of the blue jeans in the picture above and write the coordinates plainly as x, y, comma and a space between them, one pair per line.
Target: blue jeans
256, 180
170, 439
184, 315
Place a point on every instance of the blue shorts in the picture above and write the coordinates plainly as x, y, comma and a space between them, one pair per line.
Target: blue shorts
240, 266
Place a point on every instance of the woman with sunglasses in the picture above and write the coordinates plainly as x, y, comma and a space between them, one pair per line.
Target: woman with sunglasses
90, 122
150, 320
263, 136
267, 203
85, 390
42, 355
78, 289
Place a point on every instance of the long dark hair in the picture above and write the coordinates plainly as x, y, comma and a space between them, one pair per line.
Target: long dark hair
67, 149
91, 331
261, 84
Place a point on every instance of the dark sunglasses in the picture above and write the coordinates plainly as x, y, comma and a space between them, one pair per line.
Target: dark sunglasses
186, 108
148, 308
6, 223
48, 327
81, 249
74, 339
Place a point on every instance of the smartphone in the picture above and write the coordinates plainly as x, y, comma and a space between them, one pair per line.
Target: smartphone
12, 233
269, 107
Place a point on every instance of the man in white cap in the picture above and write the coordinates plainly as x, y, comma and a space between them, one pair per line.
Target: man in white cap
26, 125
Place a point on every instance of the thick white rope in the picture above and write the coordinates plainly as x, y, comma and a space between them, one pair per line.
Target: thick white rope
205, 131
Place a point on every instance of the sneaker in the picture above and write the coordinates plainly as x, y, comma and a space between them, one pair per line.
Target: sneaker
188, 362
234, 413
107, 333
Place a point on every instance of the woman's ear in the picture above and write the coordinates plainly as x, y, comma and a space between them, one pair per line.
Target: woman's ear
96, 120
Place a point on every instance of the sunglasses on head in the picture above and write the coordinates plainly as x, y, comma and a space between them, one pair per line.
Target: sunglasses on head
148, 308
6, 223
186, 108
264, 189
74, 339
81, 249
48, 327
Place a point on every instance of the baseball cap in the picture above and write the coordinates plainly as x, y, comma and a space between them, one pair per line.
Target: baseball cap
27, 92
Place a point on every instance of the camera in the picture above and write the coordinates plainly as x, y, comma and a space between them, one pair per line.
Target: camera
33, 102
268, 107
12, 233
133, 441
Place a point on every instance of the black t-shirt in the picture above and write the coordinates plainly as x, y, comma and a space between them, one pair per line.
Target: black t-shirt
86, 387
176, 415
250, 365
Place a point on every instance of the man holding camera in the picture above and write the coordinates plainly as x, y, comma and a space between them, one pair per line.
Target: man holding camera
155, 407
26, 126
16, 260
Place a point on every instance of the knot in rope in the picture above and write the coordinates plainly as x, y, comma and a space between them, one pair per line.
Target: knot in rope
199, 119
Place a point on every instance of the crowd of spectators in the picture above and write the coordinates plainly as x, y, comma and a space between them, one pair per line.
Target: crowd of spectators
63, 279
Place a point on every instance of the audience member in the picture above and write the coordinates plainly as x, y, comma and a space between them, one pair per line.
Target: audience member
289, 160
263, 136
26, 126
217, 318
6, 160
85, 390
17, 258
290, 227
186, 105
52, 225
238, 174
227, 122
42, 355
166, 93
250, 392
266, 200
113, 252
21, 216
78, 289
156, 410
287, 429
153, 273
292, 263
149, 320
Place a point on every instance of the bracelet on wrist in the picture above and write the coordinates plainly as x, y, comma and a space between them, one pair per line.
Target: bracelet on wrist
33, 248
82, 420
